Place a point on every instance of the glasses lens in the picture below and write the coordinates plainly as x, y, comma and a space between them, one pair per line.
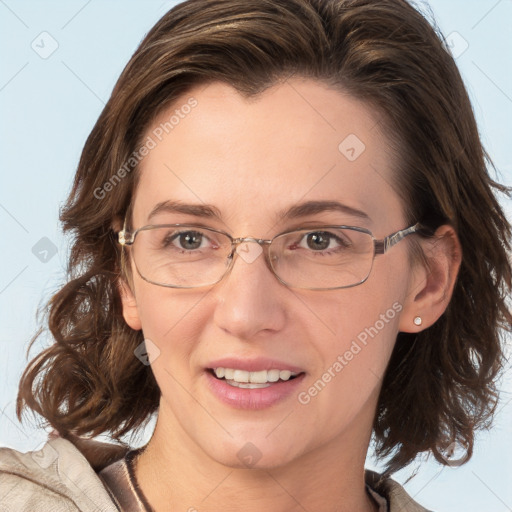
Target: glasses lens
190, 256
323, 258
181, 256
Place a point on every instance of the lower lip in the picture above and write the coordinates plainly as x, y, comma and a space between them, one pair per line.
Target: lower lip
260, 398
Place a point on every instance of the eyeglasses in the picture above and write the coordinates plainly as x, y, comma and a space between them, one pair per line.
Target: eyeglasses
320, 258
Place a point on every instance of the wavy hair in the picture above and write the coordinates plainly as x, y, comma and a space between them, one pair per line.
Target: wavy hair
440, 384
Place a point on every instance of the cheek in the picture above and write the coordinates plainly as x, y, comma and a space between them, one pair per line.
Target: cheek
352, 358
353, 312
363, 349
359, 328
171, 319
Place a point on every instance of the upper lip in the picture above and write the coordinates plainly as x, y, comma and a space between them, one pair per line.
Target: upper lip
253, 365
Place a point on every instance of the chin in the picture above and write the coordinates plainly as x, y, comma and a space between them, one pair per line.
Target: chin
256, 454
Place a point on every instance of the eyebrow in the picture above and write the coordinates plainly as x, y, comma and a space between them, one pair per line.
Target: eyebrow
296, 211
197, 210
315, 207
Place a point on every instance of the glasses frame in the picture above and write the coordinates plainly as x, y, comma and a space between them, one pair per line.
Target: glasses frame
127, 238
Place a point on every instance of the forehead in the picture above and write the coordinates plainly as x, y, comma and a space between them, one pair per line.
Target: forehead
297, 141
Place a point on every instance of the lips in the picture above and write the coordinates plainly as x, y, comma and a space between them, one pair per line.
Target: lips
252, 383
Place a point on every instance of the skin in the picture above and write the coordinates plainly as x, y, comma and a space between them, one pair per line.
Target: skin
252, 158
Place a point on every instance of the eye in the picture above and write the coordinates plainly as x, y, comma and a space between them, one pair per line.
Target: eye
187, 240
323, 240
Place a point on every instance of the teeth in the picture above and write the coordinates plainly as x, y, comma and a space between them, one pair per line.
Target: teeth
247, 378
257, 377
273, 375
247, 385
241, 376
285, 374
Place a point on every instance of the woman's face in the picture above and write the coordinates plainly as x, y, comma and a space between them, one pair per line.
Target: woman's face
251, 160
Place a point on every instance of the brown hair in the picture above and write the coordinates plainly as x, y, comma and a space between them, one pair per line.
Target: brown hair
440, 384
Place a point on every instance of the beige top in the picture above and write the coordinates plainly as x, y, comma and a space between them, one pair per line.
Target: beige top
59, 478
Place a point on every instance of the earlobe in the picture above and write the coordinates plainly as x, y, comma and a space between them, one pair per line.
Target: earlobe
130, 310
432, 282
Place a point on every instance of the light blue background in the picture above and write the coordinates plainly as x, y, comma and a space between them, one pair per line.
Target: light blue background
48, 107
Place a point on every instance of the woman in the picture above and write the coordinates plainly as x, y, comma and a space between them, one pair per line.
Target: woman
277, 251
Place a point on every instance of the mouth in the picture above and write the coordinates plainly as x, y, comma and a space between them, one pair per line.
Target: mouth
244, 379
253, 383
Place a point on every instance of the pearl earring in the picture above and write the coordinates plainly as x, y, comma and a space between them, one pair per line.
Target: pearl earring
417, 320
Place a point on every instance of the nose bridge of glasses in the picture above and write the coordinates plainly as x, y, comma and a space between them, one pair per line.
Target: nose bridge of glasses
241, 240
247, 254
262, 243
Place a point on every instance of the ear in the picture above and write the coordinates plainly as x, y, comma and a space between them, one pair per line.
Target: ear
432, 282
130, 310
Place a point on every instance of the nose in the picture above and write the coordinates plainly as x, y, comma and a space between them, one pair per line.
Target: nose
250, 298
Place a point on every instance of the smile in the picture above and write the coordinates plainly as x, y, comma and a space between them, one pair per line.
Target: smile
243, 389
253, 380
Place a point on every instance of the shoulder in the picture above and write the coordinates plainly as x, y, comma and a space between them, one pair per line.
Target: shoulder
395, 494
57, 477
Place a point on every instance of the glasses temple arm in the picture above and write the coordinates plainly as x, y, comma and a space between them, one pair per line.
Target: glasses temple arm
382, 246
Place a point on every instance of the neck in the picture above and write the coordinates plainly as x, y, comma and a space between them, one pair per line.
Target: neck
175, 474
